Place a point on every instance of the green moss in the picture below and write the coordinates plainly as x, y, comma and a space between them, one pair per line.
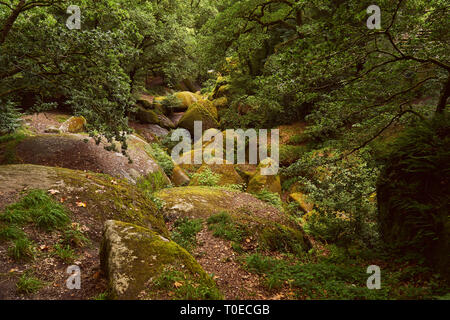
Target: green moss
8, 145
281, 238
259, 183
147, 116
161, 157
134, 257
204, 112
113, 198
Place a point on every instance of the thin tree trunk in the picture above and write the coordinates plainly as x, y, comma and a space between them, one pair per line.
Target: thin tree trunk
444, 97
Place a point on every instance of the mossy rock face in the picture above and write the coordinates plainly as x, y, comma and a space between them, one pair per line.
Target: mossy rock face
265, 224
104, 197
227, 172
220, 102
187, 98
260, 182
179, 177
79, 152
134, 258
147, 116
145, 101
165, 122
73, 125
202, 202
300, 199
204, 112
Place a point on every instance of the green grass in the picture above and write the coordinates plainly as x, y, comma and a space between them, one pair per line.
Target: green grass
11, 232
185, 232
101, 296
28, 284
39, 208
187, 288
223, 226
269, 197
74, 237
153, 182
21, 249
161, 157
342, 275
65, 253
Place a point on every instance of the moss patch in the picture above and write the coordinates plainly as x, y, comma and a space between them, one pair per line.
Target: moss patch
136, 260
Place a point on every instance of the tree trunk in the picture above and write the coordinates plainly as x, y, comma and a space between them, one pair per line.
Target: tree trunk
444, 97
10, 21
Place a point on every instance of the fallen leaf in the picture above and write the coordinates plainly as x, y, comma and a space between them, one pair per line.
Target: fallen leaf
81, 204
53, 191
178, 284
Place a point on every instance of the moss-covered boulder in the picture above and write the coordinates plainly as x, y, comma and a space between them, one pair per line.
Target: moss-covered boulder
300, 199
201, 111
179, 177
78, 152
94, 197
165, 122
187, 98
220, 102
260, 182
264, 225
147, 116
141, 264
74, 125
145, 101
227, 174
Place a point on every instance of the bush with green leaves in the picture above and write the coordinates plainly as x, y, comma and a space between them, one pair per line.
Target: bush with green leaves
207, 178
413, 195
341, 190
162, 158
9, 117
269, 197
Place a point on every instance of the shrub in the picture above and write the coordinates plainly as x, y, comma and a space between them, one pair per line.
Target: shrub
270, 197
9, 117
207, 178
163, 159
413, 193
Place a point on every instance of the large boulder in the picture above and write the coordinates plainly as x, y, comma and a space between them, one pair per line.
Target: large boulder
266, 225
187, 98
179, 177
260, 182
76, 151
136, 259
201, 111
226, 172
74, 125
94, 198
147, 116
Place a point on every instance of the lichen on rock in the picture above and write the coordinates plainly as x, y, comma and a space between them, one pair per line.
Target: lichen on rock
134, 257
